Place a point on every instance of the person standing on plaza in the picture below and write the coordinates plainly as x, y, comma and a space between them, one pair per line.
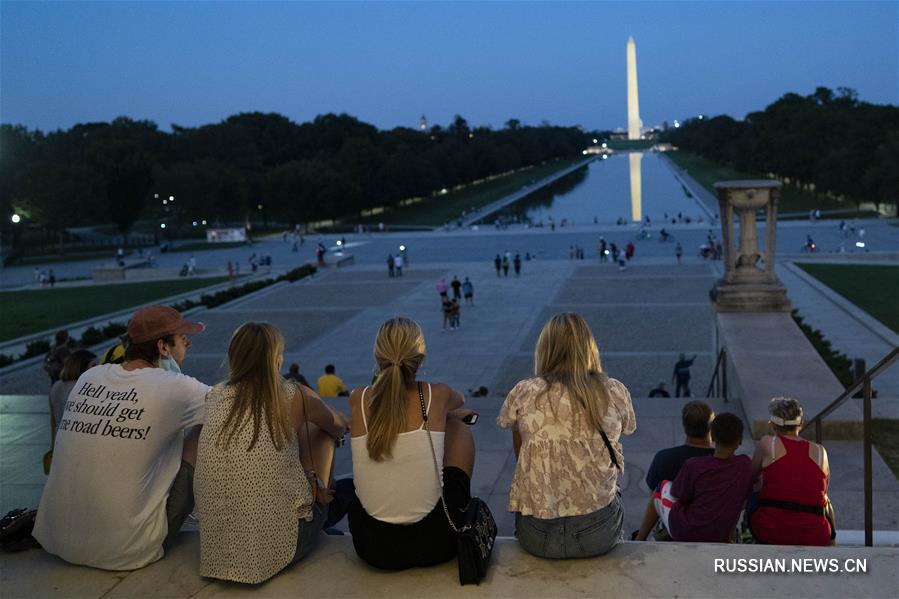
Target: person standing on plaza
615, 253
516, 263
468, 291
456, 284
629, 250
191, 266
506, 264
447, 310
497, 264
391, 265
678, 251
602, 250
121, 484
681, 375
566, 426
442, 289
230, 271
398, 264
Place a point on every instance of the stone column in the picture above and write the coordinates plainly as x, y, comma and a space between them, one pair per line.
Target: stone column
745, 286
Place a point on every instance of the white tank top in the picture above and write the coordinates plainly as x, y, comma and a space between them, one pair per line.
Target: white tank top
405, 488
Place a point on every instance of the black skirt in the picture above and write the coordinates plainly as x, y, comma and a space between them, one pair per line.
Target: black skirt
428, 542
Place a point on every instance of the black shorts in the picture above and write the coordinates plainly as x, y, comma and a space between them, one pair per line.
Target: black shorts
428, 542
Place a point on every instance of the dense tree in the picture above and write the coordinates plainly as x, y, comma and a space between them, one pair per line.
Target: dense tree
333, 167
843, 146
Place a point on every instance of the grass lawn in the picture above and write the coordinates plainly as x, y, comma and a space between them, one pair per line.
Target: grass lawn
886, 440
792, 198
31, 311
872, 287
436, 211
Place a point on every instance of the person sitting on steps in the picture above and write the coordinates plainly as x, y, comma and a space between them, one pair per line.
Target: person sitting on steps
398, 520
704, 501
792, 507
258, 510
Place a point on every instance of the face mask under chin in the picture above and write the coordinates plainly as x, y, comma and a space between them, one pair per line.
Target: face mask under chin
167, 363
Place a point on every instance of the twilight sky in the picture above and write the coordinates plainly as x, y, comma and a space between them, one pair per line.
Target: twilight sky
387, 63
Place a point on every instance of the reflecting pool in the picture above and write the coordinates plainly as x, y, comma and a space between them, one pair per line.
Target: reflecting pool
626, 187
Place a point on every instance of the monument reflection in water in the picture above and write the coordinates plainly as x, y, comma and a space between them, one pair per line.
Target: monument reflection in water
636, 160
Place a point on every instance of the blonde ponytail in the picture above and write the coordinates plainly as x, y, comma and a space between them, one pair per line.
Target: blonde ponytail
399, 351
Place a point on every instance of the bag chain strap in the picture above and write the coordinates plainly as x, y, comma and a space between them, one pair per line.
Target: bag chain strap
424, 417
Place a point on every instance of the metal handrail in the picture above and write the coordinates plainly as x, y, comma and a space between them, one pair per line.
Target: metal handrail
718, 383
864, 382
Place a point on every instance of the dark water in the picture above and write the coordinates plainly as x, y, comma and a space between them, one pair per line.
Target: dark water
603, 191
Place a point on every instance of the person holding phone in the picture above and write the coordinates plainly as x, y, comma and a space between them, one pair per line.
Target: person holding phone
566, 422
398, 519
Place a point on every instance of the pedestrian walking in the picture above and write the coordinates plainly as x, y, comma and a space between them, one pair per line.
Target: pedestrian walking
447, 308
681, 376
678, 251
391, 265
442, 288
602, 250
506, 265
498, 264
615, 253
629, 250
398, 264
191, 266
468, 291
230, 271
456, 284
52, 278
516, 263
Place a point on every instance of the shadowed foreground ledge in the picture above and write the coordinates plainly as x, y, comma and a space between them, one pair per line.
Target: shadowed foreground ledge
333, 570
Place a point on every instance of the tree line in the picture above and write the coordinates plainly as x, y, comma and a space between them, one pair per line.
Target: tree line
251, 166
844, 147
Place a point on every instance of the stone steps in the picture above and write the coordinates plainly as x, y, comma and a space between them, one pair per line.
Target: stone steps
630, 570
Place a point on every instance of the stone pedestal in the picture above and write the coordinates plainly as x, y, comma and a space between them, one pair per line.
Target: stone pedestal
745, 286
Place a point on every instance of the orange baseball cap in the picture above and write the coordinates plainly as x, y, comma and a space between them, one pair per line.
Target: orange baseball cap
154, 322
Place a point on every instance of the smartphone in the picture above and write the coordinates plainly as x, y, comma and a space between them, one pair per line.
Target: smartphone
470, 419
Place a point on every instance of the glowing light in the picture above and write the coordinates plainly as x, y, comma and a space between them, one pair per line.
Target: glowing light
584, 152
339, 243
597, 141
162, 225
194, 223
16, 219
165, 202
259, 206
402, 248
204, 221
859, 244
171, 198
605, 156
605, 145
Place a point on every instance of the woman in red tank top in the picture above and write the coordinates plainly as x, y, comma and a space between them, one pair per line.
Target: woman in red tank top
793, 508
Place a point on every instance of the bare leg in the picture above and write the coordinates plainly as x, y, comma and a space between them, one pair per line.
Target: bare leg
650, 517
458, 446
191, 441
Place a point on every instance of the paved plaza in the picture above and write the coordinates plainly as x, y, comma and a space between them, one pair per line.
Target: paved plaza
642, 318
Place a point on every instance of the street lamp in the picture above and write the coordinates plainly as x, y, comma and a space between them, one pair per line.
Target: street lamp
16, 219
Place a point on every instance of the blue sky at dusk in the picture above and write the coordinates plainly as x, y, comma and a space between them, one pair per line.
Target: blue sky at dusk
193, 63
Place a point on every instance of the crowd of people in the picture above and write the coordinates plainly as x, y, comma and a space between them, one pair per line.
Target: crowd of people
137, 443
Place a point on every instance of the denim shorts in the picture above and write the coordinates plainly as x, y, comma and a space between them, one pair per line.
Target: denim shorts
587, 535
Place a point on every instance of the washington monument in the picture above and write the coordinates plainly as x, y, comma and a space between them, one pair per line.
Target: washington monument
633, 104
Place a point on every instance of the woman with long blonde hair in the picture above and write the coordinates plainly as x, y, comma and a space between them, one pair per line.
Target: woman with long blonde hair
398, 520
255, 502
566, 422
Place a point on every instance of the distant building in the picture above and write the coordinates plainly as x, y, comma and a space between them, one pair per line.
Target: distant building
423, 123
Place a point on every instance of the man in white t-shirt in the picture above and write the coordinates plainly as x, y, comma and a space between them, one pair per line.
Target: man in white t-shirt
121, 483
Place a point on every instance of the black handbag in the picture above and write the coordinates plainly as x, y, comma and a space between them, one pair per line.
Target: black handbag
477, 534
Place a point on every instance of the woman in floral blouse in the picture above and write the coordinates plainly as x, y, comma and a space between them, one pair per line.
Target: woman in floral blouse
564, 493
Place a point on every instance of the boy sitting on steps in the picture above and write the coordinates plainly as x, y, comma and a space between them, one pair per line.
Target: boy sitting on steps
704, 501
